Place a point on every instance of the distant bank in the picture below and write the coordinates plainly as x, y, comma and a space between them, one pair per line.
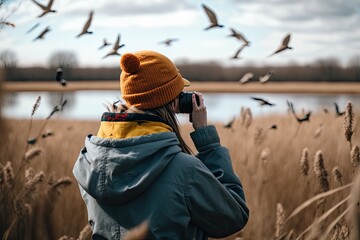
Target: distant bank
209, 87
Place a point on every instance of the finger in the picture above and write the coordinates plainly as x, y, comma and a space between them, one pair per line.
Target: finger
201, 100
194, 102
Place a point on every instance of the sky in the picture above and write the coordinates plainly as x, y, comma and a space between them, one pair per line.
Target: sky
319, 29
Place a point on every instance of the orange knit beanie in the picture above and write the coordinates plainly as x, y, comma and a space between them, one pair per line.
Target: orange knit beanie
149, 80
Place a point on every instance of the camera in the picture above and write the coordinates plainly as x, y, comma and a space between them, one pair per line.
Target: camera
185, 102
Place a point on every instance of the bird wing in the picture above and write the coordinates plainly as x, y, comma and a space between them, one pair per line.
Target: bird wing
33, 27
286, 40
233, 31
336, 108
229, 123
279, 49
264, 79
117, 43
210, 14
88, 22
50, 4
40, 5
42, 34
238, 51
247, 77
283, 45
8, 23
291, 106
242, 38
257, 99
105, 42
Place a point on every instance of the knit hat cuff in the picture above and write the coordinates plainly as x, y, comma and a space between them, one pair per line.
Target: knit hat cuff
156, 97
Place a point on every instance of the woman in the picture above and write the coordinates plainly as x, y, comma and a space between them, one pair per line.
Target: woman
138, 168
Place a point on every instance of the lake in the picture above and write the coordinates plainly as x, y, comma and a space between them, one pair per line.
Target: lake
221, 107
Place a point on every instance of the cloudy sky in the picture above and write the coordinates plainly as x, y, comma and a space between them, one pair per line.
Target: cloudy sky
319, 29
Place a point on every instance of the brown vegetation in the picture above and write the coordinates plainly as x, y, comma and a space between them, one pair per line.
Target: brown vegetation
269, 169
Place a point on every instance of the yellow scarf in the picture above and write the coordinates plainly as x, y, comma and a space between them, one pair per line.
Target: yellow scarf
118, 130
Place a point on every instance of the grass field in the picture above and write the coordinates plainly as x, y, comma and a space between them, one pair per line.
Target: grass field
266, 159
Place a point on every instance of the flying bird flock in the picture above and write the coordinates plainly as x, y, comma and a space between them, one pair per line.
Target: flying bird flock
213, 23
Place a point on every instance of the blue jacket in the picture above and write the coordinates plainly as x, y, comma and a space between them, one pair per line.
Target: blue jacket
126, 181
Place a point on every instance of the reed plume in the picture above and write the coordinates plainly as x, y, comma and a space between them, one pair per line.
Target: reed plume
304, 162
30, 187
29, 174
280, 219
36, 105
354, 202
341, 231
259, 136
355, 157
9, 175
264, 156
86, 233
348, 122
34, 108
2, 175
247, 118
337, 175
22, 209
62, 182
31, 154
320, 171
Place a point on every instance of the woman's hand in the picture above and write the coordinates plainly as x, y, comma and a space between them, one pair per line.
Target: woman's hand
199, 114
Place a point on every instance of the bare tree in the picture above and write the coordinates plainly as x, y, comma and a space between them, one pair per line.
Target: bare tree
63, 59
7, 12
330, 68
354, 65
8, 59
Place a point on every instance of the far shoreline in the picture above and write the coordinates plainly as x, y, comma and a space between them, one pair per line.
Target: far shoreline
206, 87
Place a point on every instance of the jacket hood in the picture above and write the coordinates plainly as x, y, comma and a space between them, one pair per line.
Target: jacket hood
114, 171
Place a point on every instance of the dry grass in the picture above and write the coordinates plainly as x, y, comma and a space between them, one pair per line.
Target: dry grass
269, 169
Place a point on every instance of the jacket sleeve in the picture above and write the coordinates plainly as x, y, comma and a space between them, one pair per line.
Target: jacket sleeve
215, 198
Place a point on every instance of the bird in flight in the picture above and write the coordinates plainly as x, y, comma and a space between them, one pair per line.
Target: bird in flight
263, 102
239, 36
105, 43
168, 41
42, 34
33, 27
85, 29
246, 78
230, 123
212, 17
304, 118
266, 77
46, 9
6, 23
115, 48
337, 111
284, 45
236, 55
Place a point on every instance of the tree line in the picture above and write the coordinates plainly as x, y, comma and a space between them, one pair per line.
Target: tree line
329, 70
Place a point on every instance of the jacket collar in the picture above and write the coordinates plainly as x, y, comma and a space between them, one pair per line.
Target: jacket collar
128, 125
